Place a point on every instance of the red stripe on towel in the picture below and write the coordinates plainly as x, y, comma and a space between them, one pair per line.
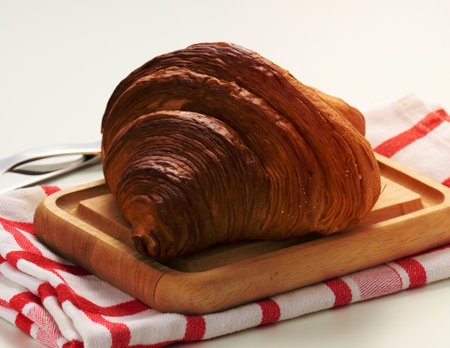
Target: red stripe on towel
446, 182
50, 189
342, 292
195, 328
20, 300
416, 272
270, 311
23, 323
419, 130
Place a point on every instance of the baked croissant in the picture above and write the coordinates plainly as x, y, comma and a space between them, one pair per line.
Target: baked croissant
214, 143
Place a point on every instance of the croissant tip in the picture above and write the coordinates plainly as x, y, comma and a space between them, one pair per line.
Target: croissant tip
139, 244
151, 239
147, 245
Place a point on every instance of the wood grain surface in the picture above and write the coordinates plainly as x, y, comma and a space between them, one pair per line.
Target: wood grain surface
84, 225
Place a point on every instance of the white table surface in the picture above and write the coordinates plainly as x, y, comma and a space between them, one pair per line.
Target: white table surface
60, 61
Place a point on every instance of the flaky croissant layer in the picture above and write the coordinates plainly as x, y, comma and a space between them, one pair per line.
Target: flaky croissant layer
214, 143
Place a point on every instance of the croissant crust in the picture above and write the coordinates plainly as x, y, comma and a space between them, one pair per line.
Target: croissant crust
214, 143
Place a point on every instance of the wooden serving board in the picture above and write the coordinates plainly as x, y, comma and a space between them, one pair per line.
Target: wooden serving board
84, 225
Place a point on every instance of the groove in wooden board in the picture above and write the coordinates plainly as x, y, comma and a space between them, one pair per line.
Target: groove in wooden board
413, 214
395, 200
430, 192
101, 212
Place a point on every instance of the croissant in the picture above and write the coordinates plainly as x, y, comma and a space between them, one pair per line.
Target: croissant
214, 144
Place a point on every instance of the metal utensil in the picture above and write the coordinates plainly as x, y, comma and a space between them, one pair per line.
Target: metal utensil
35, 165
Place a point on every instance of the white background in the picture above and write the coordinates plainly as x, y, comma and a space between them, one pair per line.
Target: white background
60, 61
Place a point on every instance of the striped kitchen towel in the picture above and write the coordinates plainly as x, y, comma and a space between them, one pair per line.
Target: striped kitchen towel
62, 305
413, 134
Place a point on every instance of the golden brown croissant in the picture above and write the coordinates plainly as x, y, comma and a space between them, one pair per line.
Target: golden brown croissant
214, 144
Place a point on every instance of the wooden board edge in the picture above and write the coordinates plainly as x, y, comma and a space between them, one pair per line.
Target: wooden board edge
218, 288
46, 220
